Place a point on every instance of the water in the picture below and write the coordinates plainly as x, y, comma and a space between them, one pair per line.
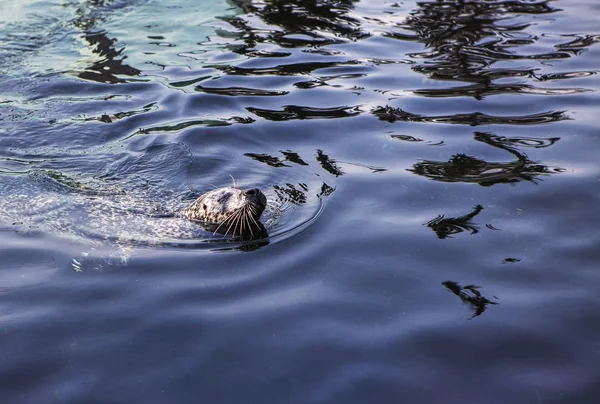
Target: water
438, 165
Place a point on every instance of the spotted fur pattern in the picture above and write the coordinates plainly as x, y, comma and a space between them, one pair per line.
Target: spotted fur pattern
223, 205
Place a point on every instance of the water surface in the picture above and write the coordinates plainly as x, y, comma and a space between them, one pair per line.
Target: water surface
438, 165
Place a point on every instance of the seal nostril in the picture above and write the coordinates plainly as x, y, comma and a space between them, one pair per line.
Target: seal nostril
251, 192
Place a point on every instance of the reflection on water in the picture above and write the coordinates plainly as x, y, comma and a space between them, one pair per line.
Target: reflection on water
286, 69
293, 157
292, 193
238, 91
463, 168
109, 65
265, 158
299, 112
446, 227
300, 23
252, 237
464, 39
324, 160
108, 62
328, 164
391, 114
470, 295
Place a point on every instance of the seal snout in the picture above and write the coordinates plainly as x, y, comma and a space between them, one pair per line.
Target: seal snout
256, 197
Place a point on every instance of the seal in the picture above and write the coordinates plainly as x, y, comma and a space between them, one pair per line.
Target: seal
228, 209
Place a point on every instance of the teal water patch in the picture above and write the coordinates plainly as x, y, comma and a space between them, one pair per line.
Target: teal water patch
106, 40
36, 37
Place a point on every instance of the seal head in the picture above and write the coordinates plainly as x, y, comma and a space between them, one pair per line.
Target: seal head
232, 210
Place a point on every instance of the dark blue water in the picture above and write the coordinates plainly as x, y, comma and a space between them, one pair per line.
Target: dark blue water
437, 163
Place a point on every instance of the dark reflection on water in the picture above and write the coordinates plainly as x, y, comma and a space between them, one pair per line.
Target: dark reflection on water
269, 160
129, 109
291, 69
292, 193
234, 91
446, 227
391, 114
302, 23
463, 168
110, 64
106, 118
470, 295
293, 157
300, 112
328, 164
465, 39
324, 160
494, 89
252, 238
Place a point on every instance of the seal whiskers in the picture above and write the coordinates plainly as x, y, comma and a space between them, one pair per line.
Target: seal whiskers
232, 210
233, 220
235, 185
247, 221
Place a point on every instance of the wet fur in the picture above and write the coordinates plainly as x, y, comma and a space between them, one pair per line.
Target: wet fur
232, 210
